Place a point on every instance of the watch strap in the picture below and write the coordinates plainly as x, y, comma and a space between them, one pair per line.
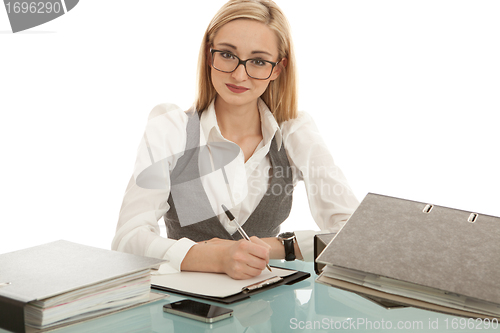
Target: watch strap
288, 241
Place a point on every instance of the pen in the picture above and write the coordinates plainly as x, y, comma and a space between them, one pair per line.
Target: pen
4, 284
240, 229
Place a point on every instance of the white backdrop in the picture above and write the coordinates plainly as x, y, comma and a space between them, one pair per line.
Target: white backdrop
406, 94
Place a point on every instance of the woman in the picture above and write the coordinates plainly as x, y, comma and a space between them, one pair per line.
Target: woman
244, 145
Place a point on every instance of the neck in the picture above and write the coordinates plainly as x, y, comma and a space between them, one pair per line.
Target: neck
236, 122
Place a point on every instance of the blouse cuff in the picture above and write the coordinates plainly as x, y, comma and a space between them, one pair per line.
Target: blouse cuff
175, 255
305, 241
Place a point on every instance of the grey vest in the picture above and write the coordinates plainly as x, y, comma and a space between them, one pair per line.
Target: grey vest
265, 220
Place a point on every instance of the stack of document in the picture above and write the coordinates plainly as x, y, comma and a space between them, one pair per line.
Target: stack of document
418, 254
104, 297
62, 282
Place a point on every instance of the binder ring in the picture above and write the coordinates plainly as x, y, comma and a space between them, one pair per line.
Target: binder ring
427, 209
472, 217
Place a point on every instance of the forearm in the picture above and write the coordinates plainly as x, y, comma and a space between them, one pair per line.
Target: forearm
203, 257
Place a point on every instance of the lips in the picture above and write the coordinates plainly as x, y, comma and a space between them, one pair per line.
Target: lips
236, 89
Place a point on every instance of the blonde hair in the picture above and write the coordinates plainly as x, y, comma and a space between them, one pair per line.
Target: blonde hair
281, 94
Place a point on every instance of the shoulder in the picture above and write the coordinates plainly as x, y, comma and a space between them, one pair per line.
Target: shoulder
302, 138
164, 137
167, 110
166, 126
167, 118
303, 124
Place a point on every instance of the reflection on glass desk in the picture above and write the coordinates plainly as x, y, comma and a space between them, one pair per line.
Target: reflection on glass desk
306, 306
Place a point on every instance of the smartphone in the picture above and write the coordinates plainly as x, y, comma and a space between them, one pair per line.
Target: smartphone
197, 310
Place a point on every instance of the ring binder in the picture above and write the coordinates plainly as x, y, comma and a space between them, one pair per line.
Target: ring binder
418, 259
53, 274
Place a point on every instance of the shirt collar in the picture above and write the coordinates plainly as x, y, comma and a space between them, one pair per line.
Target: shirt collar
270, 127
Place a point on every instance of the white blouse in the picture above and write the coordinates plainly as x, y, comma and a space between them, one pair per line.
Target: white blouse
330, 198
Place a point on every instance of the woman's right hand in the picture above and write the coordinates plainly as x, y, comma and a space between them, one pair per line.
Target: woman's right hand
239, 259
243, 259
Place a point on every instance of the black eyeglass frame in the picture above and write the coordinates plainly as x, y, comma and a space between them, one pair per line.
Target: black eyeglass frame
244, 63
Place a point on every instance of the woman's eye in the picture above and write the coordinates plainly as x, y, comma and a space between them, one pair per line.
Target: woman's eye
258, 62
227, 55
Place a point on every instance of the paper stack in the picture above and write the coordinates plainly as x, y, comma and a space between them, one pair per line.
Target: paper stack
63, 282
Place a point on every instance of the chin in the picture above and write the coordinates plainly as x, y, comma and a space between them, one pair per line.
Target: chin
238, 101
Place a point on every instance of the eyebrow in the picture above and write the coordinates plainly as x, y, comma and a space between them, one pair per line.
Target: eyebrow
235, 48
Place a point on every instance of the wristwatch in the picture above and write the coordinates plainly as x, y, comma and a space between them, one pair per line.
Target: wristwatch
288, 240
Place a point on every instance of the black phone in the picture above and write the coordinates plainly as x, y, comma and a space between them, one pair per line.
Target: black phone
198, 310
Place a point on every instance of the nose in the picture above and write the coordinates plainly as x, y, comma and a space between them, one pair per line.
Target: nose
240, 73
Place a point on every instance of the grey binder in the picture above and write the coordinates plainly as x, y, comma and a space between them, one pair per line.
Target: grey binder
448, 249
54, 268
320, 243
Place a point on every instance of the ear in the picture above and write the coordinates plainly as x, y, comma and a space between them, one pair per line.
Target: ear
278, 68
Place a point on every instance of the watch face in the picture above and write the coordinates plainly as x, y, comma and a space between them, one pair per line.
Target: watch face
287, 235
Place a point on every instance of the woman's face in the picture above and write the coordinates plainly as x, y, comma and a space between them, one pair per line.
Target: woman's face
246, 39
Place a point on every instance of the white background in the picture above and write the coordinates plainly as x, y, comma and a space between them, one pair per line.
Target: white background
405, 93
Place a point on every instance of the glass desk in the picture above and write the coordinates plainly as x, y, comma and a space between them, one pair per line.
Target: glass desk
306, 306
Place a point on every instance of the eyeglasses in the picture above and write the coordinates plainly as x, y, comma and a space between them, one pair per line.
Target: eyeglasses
256, 68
